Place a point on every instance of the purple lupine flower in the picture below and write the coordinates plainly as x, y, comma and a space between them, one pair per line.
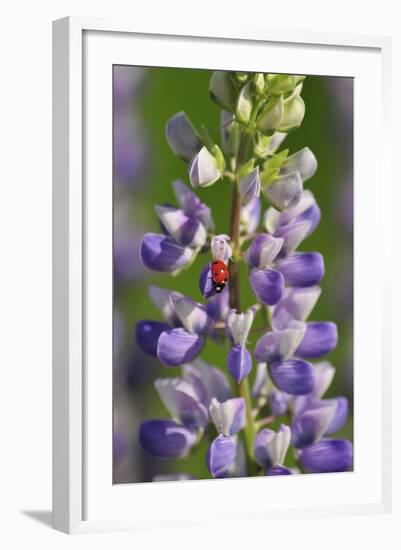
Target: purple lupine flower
229, 416
293, 225
209, 382
329, 455
270, 449
266, 282
314, 417
265, 391
166, 438
186, 229
182, 136
285, 191
239, 360
290, 374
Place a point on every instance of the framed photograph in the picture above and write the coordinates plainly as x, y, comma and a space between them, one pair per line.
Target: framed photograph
219, 259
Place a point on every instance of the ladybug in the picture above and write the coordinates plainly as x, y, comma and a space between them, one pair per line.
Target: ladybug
220, 275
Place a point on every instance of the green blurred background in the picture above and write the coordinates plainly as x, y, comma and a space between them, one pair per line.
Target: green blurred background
327, 130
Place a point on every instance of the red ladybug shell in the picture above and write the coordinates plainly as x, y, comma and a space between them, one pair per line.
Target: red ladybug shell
219, 272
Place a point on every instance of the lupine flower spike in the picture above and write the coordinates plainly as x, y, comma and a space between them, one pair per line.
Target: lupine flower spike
283, 425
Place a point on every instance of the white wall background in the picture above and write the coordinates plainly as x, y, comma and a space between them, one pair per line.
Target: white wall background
25, 289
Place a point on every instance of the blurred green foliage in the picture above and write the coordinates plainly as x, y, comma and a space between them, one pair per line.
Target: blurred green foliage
170, 90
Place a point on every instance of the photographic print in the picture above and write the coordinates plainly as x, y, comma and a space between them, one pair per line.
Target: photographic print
232, 274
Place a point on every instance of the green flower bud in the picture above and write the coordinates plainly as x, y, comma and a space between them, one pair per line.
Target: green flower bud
244, 104
294, 112
281, 84
219, 157
223, 90
271, 116
241, 77
259, 83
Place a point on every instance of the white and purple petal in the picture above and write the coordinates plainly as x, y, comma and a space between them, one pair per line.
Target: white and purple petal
186, 230
279, 345
293, 376
296, 304
238, 325
182, 401
203, 170
206, 285
221, 456
320, 338
228, 416
220, 248
147, 335
263, 251
239, 362
182, 137
267, 285
249, 187
270, 448
178, 346
161, 253
302, 269
328, 455
285, 192
192, 315
303, 161
292, 235
166, 438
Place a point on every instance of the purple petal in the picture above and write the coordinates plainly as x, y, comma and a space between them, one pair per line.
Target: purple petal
220, 248
285, 192
147, 335
217, 306
278, 345
263, 251
182, 401
267, 285
302, 269
182, 137
161, 253
177, 346
239, 362
205, 282
166, 438
249, 187
319, 339
329, 455
221, 456
250, 216
238, 325
293, 376
296, 304
279, 402
229, 416
279, 471
186, 230
192, 205
311, 424
312, 215
340, 417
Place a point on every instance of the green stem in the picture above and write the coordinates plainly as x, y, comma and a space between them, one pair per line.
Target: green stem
234, 295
